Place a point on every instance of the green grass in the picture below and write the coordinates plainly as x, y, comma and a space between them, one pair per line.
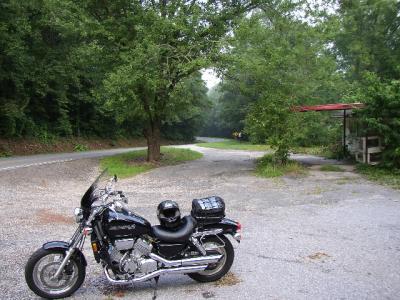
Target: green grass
331, 168
133, 163
235, 145
267, 168
380, 175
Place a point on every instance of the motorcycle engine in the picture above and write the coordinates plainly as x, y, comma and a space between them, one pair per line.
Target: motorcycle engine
132, 256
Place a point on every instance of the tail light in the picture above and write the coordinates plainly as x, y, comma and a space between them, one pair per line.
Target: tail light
238, 235
238, 226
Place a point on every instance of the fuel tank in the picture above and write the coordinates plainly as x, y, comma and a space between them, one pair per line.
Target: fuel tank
124, 224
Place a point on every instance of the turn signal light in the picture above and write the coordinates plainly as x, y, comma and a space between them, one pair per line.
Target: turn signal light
94, 247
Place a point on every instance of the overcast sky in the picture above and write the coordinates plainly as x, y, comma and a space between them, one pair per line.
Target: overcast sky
210, 77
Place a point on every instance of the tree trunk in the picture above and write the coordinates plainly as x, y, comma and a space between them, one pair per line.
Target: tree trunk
152, 134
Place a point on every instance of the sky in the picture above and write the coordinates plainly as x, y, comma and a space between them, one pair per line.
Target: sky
210, 77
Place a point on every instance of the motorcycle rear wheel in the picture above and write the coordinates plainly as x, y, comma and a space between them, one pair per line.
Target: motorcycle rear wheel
218, 270
43, 264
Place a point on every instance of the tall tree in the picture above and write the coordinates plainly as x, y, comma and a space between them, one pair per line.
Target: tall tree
368, 49
277, 60
153, 47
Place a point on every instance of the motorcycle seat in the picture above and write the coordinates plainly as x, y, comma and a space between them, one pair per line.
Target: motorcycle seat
178, 235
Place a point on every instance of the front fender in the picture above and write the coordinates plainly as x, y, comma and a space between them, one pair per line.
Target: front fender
64, 246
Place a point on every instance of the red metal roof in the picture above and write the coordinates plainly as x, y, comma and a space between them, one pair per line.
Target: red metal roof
322, 107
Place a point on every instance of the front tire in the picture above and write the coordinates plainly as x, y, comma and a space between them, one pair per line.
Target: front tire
43, 264
217, 271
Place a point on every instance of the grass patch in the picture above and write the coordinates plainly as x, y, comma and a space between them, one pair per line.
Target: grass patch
331, 168
235, 145
380, 175
132, 163
266, 167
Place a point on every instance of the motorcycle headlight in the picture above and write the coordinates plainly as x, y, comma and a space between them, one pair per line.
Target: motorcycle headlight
78, 214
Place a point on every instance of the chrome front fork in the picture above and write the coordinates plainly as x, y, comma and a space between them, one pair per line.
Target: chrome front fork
76, 239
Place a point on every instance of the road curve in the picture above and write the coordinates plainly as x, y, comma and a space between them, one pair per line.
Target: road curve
17, 162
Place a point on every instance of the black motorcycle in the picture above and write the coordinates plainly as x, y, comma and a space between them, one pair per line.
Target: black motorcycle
130, 249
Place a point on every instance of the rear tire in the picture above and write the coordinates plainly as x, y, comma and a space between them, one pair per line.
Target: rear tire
39, 280
224, 265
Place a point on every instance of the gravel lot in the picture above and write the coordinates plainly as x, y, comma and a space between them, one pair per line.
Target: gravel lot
326, 235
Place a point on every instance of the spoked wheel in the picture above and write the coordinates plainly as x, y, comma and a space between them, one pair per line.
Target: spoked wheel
40, 270
216, 245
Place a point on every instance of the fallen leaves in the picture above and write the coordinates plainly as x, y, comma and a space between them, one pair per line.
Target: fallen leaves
318, 255
228, 280
46, 217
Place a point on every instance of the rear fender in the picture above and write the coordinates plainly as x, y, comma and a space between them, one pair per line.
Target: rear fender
227, 225
64, 246
229, 228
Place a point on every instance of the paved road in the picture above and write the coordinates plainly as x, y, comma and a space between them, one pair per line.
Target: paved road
44, 159
16, 162
210, 139
327, 235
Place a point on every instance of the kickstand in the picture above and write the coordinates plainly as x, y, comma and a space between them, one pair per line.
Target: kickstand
155, 288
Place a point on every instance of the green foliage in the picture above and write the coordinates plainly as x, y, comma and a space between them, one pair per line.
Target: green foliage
368, 48
384, 176
270, 120
368, 38
79, 68
314, 150
277, 61
159, 45
133, 163
267, 166
187, 121
235, 145
81, 148
381, 115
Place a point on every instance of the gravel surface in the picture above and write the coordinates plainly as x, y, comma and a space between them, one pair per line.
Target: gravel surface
327, 235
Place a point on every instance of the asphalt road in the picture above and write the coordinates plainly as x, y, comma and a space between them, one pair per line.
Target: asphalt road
325, 235
17, 162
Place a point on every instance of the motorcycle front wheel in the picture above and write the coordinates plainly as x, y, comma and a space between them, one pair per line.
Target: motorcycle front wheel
41, 267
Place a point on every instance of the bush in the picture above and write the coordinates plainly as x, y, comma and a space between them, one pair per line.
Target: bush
381, 115
80, 148
270, 166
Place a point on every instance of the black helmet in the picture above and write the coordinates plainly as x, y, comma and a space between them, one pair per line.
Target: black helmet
168, 214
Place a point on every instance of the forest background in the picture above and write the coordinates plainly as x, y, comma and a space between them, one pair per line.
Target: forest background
129, 69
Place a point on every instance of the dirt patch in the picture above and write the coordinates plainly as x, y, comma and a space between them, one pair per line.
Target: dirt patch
45, 217
228, 280
318, 255
112, 291
118, 293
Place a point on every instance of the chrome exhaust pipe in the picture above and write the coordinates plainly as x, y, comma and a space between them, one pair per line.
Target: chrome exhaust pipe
181, 270
201, 260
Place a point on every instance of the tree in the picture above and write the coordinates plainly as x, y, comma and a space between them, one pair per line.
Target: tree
368, 50
381, 114
189, 119
368, 38
277, 61
153, 47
